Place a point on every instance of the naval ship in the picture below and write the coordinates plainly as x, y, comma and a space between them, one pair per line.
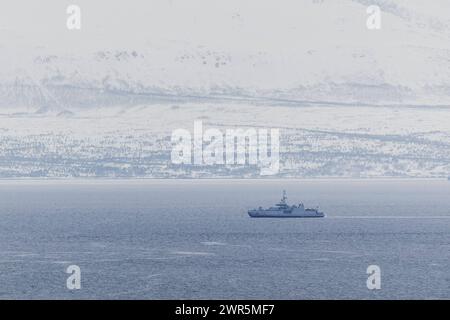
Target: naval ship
283, 210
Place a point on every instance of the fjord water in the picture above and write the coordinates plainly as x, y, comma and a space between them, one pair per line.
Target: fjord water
193, 239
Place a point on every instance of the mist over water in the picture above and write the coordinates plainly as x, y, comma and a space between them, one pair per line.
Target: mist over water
193, 239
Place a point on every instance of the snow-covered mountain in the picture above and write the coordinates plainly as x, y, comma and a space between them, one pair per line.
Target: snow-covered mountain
103, 101
307, 50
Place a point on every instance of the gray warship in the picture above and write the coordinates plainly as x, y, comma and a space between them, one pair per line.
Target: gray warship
283, 210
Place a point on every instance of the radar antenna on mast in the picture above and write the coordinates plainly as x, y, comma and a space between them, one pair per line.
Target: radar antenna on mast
283, 200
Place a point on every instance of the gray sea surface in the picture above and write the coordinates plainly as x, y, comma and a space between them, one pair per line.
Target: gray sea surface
192, 239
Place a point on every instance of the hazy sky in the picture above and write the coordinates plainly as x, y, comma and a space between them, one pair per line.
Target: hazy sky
237, 24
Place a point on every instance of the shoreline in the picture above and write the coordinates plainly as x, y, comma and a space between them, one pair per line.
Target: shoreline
4, 181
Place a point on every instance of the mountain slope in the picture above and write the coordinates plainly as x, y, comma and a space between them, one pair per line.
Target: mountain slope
307, 50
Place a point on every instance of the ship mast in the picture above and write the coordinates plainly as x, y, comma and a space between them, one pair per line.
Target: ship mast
283, 200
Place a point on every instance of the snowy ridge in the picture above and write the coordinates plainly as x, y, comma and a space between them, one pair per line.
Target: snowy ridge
350, 102
320, 52
316, 141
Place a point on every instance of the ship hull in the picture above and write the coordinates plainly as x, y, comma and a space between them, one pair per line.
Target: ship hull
275, 214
